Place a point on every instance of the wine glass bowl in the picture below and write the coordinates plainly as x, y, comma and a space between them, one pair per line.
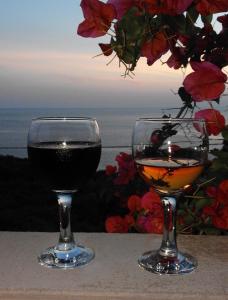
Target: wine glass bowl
64, 154
170, 154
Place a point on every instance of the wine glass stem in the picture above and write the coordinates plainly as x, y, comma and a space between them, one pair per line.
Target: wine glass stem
66, 239
169, 246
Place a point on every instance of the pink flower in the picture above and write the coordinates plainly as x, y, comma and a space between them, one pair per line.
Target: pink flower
98, 17
150, 223
207, 82
207, 7
129, 220
218, 210
151, 202
122, 6
134, 203
126, 170
177, 59
169, 7
218, 214
222, 194
220, 220
211, 191
106, 49
152, 220
215, 122
224, 21
153, 49
110, 170
154, 224
116, 224
140, 223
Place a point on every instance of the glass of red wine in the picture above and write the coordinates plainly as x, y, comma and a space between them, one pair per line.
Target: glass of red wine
169, 154
64, 154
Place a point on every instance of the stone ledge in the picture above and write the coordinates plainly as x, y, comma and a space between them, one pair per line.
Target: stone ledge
114, 273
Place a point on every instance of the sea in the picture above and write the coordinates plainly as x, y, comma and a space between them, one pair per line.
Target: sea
116, 125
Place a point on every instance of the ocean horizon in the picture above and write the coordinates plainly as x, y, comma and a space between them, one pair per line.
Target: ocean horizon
116, 125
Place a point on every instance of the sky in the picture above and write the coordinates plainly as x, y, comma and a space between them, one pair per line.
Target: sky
43, 63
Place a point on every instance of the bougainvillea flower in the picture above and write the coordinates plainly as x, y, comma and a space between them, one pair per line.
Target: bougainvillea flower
177, 58
222, 194
224, 21
110, 170
126, 168
220, 220
207, 7
218, 56
204, 39
106, 49
218, 210
169, 7
140, 223
210, 210
122, 6
215, 121
98, 17
207, 82
116, 224
153, 224
134, 203
184, 39
218, 215
152, 202
129, 220
155, 48
211, 191
150, 223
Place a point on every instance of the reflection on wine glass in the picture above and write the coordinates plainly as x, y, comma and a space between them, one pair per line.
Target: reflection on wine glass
64, 153
170, 154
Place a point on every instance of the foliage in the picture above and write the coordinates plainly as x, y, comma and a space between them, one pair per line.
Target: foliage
202, 210
184, 30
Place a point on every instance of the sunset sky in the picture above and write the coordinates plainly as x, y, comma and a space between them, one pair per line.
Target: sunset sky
43, 63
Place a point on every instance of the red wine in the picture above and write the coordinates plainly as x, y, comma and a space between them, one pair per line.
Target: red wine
64, 166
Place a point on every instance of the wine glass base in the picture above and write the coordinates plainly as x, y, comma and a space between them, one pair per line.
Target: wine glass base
76, 257
153, 262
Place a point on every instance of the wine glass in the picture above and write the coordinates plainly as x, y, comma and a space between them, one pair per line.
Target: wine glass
169, 154
64, 153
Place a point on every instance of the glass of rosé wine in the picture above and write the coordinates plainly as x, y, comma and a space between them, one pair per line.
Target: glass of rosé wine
64, 154
169, 154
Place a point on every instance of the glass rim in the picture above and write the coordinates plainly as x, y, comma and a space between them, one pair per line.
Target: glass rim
171, 119
64, 119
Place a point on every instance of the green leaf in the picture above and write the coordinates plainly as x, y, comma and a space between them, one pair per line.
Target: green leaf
156, 22
200, 203
132, 25
192, 14
129, 36
181, 212
219, 167
207, 19
179, 23
189, 219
